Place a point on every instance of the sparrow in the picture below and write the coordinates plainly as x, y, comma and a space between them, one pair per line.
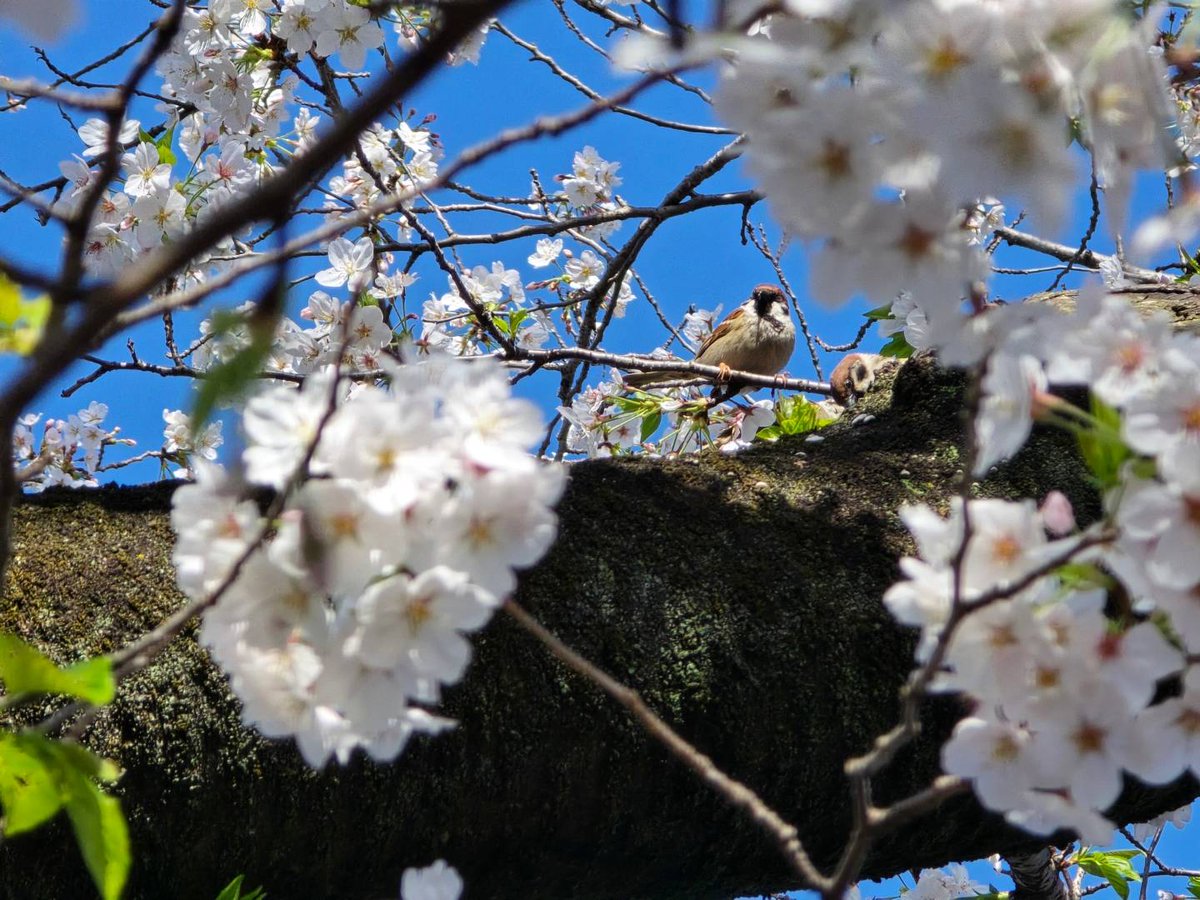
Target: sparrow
757, 337
854, 376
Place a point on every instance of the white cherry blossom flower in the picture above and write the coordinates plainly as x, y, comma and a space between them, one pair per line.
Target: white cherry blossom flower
145, 175
349, 264
548, 251
1006, 413
436, 882
94, 133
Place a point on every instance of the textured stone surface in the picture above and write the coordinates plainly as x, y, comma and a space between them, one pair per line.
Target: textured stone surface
740, 596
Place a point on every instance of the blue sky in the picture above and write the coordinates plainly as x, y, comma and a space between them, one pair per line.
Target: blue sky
696, 259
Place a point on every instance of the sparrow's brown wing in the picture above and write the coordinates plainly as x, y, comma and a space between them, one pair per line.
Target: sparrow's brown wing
719, 333
649, 379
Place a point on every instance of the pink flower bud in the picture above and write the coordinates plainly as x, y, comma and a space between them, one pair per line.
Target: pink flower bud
1057, 514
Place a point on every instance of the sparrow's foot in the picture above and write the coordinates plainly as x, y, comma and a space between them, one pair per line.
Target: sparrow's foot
724, 373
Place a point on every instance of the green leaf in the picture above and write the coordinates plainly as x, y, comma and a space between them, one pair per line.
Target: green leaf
102, 835
26, 671
1101, 446
770, 433
28, 334
897, 346
1194, 886
1113, 866
1083, 576
165, 154
880, 313
39, 776
10, 303
80, 759
28, 790
1075, 131
233, 891
796, 415
96, 818
21, 321
230, 378
650, 423
36, 312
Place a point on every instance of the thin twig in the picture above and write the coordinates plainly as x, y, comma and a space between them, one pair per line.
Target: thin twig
733, 791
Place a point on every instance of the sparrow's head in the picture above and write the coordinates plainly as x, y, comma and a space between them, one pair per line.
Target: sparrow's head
765, 296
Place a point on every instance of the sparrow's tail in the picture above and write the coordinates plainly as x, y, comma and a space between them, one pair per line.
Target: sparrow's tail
651, 379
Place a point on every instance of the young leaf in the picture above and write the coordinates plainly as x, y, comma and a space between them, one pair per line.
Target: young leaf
897, 346
38, 777
28, 790
80, 759
1194, 886
770, 433
1102, 449
1113, 866
516, 319
21, 321
10, 303
233, 891
102, 835
26, 671
165, 154
796, 415
28, 333
650, 423
99, 824
1083, 576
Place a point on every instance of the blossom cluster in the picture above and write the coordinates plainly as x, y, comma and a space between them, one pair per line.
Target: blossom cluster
1064, 694
589, 189
1057, 692
895, 174
405, 511
231, 113
952, 884
69, 450
398, 161
606, 420
448, 323
183, 443
951, 104
352, 333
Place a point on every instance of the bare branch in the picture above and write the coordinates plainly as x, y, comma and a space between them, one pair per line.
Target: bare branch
736, 793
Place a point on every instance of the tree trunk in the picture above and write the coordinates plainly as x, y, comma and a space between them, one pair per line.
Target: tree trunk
739, 595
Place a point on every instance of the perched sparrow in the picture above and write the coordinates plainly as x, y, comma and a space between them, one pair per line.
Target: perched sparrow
756, 337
